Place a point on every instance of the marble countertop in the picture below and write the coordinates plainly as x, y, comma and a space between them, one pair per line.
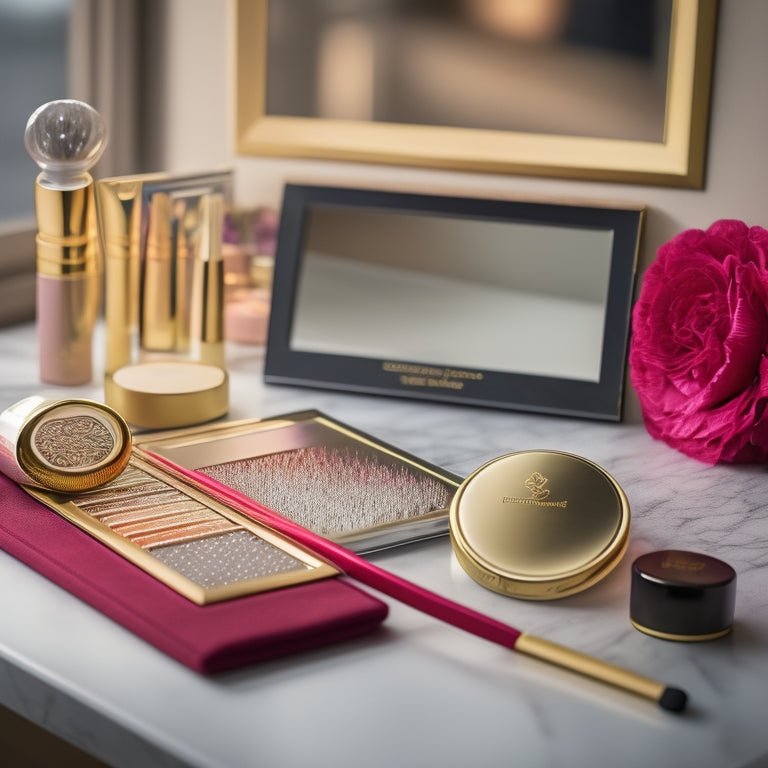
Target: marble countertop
418, 692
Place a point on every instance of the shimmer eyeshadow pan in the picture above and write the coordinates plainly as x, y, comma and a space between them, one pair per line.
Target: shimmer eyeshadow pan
333, 490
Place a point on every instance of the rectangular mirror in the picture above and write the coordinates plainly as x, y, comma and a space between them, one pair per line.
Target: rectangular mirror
509, 304
615, 90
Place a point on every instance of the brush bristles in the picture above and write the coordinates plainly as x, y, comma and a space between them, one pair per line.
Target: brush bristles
673, 700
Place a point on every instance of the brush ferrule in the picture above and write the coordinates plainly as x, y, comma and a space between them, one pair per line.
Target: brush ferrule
591, 667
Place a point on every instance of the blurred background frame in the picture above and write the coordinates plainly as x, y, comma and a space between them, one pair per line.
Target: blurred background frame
329, 87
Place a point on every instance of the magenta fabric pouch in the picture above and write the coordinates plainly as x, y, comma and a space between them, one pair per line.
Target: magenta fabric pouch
207, 638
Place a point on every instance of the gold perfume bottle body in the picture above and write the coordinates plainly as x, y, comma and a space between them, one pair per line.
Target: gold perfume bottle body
69, 273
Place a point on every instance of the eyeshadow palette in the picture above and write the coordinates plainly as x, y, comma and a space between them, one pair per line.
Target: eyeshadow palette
334, 480
199, 547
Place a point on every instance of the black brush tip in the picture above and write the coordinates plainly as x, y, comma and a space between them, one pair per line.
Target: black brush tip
673, 699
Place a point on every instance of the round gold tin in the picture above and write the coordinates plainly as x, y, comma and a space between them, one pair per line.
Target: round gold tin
168, 394
539, 524
68, 446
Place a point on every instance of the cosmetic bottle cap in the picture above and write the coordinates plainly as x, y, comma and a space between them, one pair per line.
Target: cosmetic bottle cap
168, 394
65, 138
539, 524
679, 595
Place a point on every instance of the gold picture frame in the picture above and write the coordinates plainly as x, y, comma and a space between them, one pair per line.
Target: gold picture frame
677, 160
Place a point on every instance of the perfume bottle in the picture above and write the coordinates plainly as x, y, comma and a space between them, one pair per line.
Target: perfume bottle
66, 138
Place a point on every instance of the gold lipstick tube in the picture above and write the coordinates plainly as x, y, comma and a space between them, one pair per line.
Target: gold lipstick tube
119, 208
158, 300
184, 276
68, 282
207, 332
63, 445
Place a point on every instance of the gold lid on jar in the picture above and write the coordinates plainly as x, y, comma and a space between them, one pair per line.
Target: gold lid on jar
539, 525
166, 394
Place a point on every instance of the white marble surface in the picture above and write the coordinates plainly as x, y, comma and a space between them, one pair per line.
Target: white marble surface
420, 693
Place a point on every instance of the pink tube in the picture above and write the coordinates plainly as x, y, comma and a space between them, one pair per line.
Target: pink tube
66, 314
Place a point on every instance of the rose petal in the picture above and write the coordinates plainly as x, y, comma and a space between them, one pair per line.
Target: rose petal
699, 348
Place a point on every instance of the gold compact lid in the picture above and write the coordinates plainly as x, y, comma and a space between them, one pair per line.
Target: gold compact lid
74, 445
539, 524
169, 393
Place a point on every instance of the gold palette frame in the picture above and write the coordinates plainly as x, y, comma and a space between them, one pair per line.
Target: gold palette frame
192, 447
677, 160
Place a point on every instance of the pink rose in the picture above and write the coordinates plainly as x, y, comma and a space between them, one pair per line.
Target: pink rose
700, 340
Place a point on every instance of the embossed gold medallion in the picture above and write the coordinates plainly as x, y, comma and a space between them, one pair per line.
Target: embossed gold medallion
64, 445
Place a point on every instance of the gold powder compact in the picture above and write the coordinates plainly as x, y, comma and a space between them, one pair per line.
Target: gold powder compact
539, 524
325, 475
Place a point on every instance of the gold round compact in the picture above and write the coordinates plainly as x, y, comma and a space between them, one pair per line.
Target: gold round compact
539, 524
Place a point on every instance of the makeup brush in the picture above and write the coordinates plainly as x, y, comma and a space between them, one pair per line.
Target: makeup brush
667, 697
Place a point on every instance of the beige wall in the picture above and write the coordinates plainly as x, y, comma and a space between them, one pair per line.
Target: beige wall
197, 131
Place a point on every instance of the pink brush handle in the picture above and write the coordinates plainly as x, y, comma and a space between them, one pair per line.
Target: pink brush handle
669, 698
355, 566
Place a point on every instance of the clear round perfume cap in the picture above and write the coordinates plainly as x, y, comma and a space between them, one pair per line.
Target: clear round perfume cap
65, 138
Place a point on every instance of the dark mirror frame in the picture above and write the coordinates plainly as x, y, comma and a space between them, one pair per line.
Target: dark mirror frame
598, 400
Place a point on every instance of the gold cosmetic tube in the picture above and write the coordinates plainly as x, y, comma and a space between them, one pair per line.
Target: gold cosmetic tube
137, 323
158, 304
207, 330
119, 207
183, 258
65, 445
68, 282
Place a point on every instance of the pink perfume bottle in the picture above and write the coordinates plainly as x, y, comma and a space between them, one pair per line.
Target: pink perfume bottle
66, 138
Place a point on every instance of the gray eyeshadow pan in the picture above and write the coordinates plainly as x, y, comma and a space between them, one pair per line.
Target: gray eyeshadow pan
229, 558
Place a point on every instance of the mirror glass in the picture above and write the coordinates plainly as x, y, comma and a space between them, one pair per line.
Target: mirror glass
570, 67
453, 291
